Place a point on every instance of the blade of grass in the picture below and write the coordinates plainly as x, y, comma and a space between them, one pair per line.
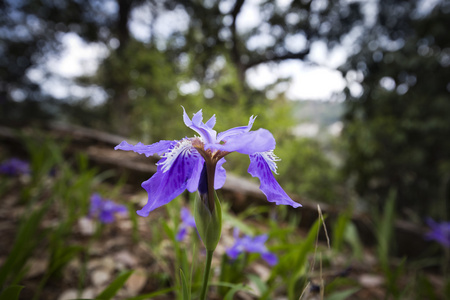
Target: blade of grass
11, 293
23, 246
342, 295
111, 290
385, 230
260, 284
184, 286
234, 290
151, 295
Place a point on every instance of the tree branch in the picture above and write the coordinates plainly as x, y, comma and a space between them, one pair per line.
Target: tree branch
266, 59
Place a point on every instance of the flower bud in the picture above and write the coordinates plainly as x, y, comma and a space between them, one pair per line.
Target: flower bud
208, 219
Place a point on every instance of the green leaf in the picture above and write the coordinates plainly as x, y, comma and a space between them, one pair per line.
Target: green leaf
342, 295
11, 293
235, 222
339, 229
24, 244
294, 265
260, 284
236, 288
169, 231
63, 256
151, 295
184, 286
385, 225
307, 247
351, 236
112, 289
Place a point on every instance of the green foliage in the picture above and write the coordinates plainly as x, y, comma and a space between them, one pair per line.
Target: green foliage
306, 171
143, 82
27, 238
231, 271
58, 189
185, 287
385, 234
300, 255
11, 293
234, 289
396, 129
325, 113
342, 295
295, 260
425, 288
259, 283
339, 230
151, 295
191, 274
385, 231
351, 236
60, 256
110, 291
345, 232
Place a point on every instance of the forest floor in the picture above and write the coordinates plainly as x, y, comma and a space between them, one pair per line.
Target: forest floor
141, 244
118, 248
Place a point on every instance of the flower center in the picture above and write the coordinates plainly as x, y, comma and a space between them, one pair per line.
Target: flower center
208, 155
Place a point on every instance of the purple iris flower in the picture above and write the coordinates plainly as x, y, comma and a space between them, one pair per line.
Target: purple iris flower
182, 161
187, 220
15, 167
104, 209
251, 245
440, 232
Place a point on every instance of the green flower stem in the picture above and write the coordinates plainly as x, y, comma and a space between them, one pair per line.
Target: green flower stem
211, 172
209, 255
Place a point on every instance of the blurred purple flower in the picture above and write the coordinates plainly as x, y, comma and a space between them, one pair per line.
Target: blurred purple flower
15, 167
251, 245
182, 161
105, 209
187, 221
440, 232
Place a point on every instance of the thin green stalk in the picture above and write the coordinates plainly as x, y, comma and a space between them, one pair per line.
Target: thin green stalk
209, 255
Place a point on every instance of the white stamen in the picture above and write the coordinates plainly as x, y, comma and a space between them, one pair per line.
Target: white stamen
270, 159
184, 147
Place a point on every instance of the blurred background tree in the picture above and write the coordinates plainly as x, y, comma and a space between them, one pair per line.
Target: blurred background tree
31, 32
397, 127
396, 108
207, 45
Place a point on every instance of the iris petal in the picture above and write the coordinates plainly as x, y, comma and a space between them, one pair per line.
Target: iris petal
158, 148
187, 218
236, 130
440, 232
221, 174
205, 131
270, 258
252, 245
181, 233
192, 183
260, 239
251, 142
211, 122
167, 184
182, 148
260, 168
234, 251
